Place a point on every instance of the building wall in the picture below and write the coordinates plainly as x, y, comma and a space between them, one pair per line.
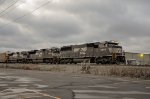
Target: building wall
143, 60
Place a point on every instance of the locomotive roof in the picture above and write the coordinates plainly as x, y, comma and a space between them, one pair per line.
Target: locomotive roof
32, 51
112, 42
81, 45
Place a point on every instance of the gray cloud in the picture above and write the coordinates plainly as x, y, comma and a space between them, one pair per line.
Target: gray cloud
72, 22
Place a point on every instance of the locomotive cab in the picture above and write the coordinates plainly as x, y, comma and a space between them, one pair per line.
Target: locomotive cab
115, 50
114, 47
110, 52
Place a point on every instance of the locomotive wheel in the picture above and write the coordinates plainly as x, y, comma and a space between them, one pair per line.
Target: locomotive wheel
97, 63
104, 61
117, 62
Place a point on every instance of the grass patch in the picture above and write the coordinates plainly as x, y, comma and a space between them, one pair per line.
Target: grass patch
111, 70
122, 71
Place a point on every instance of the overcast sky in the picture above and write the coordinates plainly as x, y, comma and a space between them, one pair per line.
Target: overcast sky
64, 22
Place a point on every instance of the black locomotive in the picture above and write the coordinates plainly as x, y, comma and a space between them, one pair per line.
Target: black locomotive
107, 52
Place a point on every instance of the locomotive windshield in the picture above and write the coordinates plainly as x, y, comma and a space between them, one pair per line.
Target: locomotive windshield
112, 44
66, 48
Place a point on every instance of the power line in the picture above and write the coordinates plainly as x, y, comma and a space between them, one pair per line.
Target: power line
18, 18
9, 6
9, 11
31, 11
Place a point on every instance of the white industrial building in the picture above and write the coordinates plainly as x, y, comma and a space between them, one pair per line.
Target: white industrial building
137, 58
